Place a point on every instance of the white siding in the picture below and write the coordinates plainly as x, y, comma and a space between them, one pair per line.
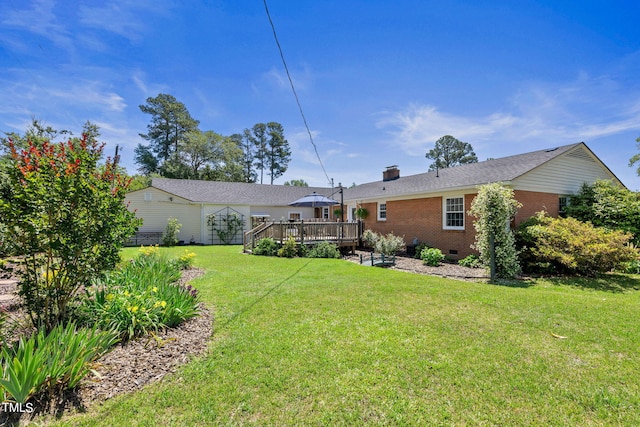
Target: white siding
564, 174
282, 213
210, 237
155, 207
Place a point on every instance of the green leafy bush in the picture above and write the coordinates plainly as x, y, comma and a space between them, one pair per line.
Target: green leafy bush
289, 249
170, 234
6, 248
432, 256
419, 248
630, 267
566, 245
140, 298
67, 215
324, 250
471, 261
266, 247
55, 361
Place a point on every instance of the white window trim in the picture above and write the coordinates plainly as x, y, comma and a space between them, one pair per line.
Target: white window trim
385, 210
444, 213
325, 212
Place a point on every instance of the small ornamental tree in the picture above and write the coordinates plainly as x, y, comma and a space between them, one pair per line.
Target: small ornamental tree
494, 207
67, 216
171, 231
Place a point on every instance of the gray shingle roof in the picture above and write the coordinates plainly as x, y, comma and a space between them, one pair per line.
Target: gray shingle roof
235, 193
504, 169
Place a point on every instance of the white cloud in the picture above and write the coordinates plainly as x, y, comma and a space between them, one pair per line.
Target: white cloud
90, 94
39, 19
121, 17
276, 77
584, 109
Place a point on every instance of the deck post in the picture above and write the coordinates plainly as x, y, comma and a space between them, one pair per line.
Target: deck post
301, 231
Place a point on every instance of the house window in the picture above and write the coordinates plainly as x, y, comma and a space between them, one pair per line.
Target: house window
325, 212
382, 211
147, 197
563, 202
453, 213
295, 216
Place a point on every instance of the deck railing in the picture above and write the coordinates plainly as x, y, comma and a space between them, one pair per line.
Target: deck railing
341, 233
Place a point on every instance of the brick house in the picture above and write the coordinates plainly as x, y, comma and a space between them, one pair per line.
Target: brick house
432, 207
429, 207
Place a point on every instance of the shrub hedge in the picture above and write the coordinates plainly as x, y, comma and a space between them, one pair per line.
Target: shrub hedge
567, 245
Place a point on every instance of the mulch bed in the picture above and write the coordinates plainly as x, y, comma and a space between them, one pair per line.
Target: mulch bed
413, 265
130, 366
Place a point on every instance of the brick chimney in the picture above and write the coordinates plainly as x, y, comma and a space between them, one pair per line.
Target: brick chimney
391, 173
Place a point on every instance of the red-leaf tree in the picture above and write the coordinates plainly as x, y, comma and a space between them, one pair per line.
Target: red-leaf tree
67, 216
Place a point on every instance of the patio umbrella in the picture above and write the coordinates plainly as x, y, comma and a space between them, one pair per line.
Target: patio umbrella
314, 200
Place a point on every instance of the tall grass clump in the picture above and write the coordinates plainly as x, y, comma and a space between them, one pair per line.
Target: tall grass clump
51, 362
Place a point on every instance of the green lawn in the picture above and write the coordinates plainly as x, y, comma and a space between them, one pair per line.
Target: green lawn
328, 342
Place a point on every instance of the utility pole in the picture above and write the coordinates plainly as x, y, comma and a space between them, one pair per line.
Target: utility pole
341, 202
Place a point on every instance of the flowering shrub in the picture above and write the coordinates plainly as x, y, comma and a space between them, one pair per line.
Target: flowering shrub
388, 244
370, 237
494, 207
185, 261
148, 250
67, 215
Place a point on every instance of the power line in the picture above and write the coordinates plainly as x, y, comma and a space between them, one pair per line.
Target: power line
304, 119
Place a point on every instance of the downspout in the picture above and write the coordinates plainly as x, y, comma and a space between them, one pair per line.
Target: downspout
202, 227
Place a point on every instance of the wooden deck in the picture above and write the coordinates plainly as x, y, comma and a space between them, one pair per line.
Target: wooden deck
343, 234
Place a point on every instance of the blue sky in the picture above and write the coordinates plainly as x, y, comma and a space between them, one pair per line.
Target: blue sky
379, 81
